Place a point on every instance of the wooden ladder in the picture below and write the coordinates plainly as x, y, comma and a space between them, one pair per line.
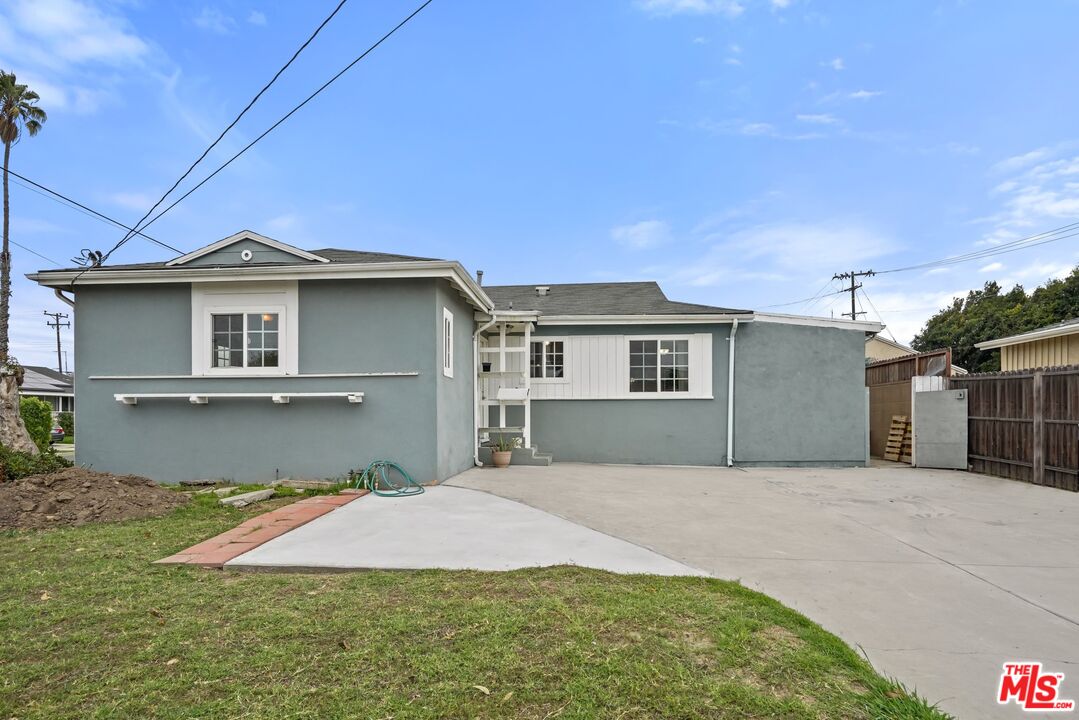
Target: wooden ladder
898, 448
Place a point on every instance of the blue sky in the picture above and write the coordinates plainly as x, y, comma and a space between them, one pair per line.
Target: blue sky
738, 152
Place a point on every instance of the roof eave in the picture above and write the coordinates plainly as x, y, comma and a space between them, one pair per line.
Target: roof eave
449, 269
1032, 336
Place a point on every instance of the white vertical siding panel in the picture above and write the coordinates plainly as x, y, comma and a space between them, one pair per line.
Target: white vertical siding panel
706, 364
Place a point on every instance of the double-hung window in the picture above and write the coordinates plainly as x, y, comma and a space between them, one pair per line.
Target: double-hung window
658, 366
547, 359
245, 340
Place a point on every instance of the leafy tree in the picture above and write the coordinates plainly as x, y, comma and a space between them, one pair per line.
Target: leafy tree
37, 415
990, 313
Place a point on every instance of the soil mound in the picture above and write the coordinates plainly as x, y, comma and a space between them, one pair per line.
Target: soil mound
76, 496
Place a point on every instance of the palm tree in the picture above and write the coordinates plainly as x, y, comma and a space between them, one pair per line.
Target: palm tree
19, 113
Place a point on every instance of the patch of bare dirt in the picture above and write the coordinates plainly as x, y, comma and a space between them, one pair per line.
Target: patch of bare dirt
76, 496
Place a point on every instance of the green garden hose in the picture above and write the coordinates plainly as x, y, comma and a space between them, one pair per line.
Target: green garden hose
376, 479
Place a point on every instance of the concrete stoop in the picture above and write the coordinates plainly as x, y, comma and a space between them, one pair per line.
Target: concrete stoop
521, 456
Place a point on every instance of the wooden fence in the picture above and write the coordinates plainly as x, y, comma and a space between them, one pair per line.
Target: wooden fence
889, 390
1025, 425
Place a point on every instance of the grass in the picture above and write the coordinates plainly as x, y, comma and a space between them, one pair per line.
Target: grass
90, 629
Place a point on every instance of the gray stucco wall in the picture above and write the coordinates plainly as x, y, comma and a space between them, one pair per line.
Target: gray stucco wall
799, 396
454, 420
799, 400
231, 255
344, 326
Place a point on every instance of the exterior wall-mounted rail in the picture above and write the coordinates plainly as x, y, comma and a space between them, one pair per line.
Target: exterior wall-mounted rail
204, 398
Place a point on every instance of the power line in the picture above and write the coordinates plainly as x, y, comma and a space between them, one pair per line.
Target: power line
877, 313
35, 252
273, 127
804, 300
64, 200
854, 286
1020, 244
56, 318
231, 125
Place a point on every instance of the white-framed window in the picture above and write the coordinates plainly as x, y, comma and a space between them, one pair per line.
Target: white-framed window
658, 366
245, 340
447, 343
547, 359
244, 328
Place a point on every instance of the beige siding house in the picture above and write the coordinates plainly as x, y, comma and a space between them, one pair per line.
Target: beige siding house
1051, 346
878, 348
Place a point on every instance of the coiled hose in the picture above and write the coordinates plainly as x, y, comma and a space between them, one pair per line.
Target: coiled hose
380, 481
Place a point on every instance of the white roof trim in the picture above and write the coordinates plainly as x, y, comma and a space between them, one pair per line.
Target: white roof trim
1043, 334
679, 319
452, 271
245, 235
863, 325
896, 345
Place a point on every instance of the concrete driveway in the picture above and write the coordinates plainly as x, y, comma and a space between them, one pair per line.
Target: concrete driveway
939, 576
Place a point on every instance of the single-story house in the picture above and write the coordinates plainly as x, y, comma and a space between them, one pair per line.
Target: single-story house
249, 359
49, 385
1051, 346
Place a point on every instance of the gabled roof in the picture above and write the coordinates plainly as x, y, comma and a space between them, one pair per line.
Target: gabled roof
37, 379
618, 298
240, 237
1066, 327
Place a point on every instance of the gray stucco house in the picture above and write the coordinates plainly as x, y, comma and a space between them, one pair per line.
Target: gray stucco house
249, 359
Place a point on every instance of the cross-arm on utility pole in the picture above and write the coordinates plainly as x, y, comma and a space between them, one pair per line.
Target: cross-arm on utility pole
56, 317
853, 276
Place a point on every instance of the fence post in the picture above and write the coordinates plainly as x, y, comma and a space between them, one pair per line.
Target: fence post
1038, 431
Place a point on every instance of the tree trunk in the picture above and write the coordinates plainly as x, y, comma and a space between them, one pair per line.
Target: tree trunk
13, 433
12, 430
5, 266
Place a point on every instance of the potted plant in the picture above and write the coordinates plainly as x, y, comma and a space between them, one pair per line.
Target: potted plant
502, 452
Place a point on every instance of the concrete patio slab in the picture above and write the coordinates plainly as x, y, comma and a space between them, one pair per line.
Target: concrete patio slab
940, 577
450, 528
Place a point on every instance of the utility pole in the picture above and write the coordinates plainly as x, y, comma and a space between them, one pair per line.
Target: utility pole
56, 317
854, 286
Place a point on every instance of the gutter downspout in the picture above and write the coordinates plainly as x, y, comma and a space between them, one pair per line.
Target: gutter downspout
476, 391
730, 395
60, 294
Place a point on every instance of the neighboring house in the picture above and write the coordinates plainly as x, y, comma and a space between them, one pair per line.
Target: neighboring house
53, 387
1051, 346
879, 348
250, 359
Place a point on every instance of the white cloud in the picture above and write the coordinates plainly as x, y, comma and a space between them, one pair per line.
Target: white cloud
732, 61
642, 235
777, 252
864, 94
781, 4
288, 221
818, 119
137, 201
61, 49
665, 8
991, 267
835, 63
1018, 162
256, 18
215, 21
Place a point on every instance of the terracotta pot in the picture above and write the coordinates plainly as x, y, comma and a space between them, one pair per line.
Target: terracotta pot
501, 458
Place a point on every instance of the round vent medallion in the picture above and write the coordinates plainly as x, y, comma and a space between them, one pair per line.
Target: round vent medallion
246, 255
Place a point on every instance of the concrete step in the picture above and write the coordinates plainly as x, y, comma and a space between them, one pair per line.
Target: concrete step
521, 456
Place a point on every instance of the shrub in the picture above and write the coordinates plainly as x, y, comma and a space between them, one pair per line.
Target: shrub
66, 420
37, 415
15, 465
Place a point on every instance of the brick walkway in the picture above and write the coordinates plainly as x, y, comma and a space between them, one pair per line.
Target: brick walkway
249, 534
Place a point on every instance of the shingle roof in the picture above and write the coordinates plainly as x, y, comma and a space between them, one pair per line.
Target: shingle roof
42, 379
620, 298
334, 255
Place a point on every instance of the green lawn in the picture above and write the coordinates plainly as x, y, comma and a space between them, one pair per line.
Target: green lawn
91, 630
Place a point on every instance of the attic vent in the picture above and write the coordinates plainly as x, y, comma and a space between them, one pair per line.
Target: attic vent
542, 290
